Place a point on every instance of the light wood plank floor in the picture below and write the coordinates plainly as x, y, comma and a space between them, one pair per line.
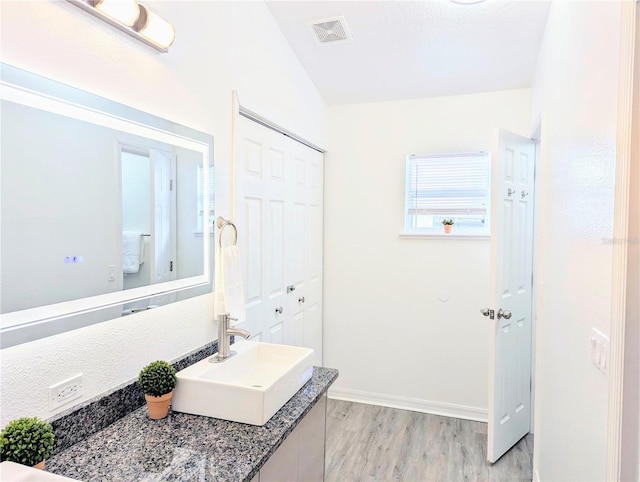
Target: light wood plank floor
371, 443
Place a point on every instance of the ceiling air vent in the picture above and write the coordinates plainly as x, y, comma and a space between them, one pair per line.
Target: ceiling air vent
330, 30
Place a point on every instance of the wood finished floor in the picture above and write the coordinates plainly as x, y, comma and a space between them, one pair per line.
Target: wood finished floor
371, 443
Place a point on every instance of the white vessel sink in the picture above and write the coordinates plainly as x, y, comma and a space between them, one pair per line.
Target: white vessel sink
249, 387
10, 471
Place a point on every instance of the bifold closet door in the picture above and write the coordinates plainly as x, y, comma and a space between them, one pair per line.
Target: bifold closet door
279, 217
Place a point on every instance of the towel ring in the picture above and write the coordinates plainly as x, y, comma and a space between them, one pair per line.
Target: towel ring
222, 223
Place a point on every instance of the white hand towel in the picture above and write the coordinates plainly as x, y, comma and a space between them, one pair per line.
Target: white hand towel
132, 251
232, 289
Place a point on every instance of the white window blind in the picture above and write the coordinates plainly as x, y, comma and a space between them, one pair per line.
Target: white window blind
448, 186
201, 214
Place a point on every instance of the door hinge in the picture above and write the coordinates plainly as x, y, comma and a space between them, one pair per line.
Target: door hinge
170, 265
170, 184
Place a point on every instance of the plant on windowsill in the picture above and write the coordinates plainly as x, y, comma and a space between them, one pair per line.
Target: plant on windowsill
157, 381
447, 223
27, 441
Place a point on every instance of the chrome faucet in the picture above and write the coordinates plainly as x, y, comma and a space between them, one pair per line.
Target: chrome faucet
225, 332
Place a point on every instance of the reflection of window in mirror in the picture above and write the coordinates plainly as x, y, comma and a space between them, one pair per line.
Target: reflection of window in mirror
201, 215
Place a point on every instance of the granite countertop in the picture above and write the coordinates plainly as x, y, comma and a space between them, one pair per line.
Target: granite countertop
186, 447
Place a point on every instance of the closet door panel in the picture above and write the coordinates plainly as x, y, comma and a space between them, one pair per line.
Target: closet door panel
280, 202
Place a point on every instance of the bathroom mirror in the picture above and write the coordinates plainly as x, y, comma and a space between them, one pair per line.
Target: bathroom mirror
105, 210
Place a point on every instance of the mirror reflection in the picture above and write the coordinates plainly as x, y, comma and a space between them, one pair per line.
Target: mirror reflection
113, 210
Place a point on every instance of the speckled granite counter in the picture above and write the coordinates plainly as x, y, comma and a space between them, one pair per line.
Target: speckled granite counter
184, 447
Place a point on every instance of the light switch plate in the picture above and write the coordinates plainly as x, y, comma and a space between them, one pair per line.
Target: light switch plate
600, 350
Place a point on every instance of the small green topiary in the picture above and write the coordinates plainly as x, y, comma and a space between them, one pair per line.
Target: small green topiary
157, 378
27, 441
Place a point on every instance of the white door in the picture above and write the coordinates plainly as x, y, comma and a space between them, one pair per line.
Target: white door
510, 315
305, 248
260, 217
163, 216
279, 219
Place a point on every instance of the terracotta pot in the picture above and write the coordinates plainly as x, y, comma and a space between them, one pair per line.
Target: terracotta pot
39, 466
447, 228
158, 407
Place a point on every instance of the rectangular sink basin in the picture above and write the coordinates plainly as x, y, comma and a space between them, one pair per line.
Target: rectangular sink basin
249, 387
21, 473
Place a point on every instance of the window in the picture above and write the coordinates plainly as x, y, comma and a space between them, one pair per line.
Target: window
448, 186
201, 215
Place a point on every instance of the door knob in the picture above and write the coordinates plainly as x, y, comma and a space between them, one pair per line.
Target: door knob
487, 312
301, 300
279, 309
506, 314
291, 288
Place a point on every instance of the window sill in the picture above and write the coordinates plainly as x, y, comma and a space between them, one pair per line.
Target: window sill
440, 235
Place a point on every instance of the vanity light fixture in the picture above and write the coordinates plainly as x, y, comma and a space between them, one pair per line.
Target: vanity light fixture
124, 11
154, 28
133, 19
467, 2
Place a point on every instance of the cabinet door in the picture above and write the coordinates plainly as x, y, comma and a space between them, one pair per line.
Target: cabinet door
283, 464
300, 458
311, 443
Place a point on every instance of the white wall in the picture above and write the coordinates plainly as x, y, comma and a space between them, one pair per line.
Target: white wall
220, 46
384, 327
575, 93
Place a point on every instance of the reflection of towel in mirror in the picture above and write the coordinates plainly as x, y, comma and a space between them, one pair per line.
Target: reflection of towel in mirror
232, 289
132, 251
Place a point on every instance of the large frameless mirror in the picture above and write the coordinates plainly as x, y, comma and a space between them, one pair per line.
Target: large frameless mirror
106, 210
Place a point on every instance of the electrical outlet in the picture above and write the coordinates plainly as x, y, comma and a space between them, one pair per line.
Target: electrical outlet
62, 393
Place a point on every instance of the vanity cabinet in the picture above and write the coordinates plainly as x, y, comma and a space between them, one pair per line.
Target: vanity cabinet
279, 219
301, 455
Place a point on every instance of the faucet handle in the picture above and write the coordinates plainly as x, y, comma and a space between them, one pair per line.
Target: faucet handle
225, 318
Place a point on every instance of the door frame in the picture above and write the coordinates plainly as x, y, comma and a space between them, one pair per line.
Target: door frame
536, 135
624, 142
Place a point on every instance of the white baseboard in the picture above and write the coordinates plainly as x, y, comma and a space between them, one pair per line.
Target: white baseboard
413, 404
536, 476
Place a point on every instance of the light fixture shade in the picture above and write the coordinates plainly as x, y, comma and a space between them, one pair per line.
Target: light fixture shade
124, 11
154, 28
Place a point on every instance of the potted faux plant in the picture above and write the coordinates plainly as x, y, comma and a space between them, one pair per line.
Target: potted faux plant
27, 441
157, 381
447, 223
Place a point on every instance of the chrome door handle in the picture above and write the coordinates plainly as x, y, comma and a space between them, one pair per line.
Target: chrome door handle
506, 314
291, 288
279, 309
301, 300
487, 312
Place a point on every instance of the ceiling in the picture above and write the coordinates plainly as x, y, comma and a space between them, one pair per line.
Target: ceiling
413, 49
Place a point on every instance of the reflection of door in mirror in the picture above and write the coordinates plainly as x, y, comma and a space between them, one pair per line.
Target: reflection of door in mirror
163, 220
148, 216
